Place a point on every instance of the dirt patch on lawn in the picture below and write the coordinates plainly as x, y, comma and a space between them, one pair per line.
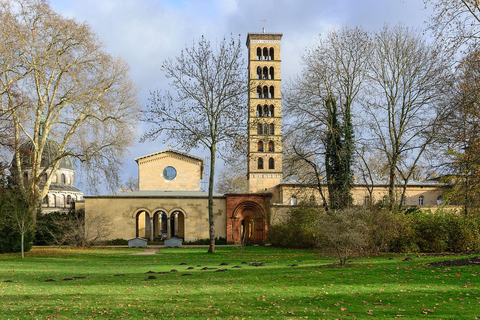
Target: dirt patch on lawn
457, 263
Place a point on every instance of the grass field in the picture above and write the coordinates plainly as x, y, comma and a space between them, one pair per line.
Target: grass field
282, 283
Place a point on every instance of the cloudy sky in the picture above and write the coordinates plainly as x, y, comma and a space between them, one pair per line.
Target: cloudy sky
146, 32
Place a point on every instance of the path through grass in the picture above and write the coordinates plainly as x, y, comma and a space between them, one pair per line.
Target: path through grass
110, 283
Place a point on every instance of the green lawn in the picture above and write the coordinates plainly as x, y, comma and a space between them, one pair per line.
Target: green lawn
370, 287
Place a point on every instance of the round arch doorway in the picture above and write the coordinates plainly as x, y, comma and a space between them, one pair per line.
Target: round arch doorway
177, 223
248, 224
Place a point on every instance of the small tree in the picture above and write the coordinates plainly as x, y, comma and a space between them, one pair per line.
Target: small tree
206, 107
15, 215
344, 232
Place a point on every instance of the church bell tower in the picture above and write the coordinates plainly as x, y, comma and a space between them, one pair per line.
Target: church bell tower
264, 116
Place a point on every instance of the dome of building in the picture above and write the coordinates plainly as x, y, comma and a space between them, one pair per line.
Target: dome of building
50, 153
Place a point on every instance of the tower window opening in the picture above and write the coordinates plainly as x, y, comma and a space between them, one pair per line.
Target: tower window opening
260, 163
265, 92
272, 74
63, 179
260, 146
265, 111
259, 92
259, 53
265, 72
272, 129
272, 56
272, 111
265, 54
259, 73
271, 146
265, 128
259, 111
272, 92
271, 163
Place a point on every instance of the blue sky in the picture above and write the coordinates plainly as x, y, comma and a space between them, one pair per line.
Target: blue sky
146, 32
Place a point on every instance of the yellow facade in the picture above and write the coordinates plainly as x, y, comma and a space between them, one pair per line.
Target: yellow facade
151, 171
265, 115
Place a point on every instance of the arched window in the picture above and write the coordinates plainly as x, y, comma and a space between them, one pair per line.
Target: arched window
265, 72
54, 201
265, 111
259, 73
259, 128
272, 92
259, 111
271, 146
265, 92
63, 179
272, 74
271, 163
272, 111
293, 200
259, 53
260, 146
45, 200
260, 163
272, 129
272, 56
259, 92
421, 200
265, 54
69, 199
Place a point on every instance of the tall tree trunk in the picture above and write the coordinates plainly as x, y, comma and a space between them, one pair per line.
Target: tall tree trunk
391, 187
211, 218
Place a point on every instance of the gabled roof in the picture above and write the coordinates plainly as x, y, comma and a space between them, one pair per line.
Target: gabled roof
170, 151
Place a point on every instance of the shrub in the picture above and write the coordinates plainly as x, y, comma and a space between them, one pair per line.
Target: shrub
418, 231
206, 241
117, 242
344, 232
298, 230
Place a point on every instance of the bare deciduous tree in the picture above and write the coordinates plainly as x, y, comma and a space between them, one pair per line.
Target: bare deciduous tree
455, 22
461, 136
207, 107
408, 80
321, 101
57, 82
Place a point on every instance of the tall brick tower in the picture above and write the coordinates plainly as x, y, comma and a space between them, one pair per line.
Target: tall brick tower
264, 116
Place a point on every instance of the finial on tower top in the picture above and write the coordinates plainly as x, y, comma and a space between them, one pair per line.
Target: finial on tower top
263, 28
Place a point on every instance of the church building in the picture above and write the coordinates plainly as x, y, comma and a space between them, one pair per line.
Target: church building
170, 202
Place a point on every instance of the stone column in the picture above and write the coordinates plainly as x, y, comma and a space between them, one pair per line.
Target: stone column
169, 229
150, 221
